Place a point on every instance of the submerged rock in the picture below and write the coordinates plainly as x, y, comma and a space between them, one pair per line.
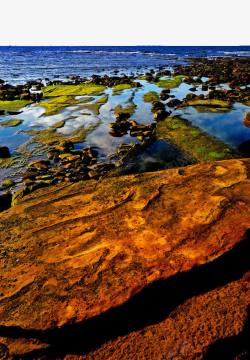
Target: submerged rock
246, 120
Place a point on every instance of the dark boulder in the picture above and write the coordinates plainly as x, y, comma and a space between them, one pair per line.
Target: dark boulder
4, 152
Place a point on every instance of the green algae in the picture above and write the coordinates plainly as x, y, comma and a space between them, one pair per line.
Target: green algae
208, 103
170, 83
59, 124
51, 137
73, 90
193, 141
129, 109
11, 123
55, 104
14, 105
151, 96
5, 184
117, 89
202, 109
95, 107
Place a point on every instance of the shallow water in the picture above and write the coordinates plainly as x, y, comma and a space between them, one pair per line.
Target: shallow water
227, 126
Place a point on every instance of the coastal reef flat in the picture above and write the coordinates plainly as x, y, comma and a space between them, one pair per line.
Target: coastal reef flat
125, 211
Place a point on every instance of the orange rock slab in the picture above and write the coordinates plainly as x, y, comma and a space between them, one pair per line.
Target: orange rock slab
72, 252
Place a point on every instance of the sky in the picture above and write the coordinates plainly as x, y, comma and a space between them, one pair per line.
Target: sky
125, 22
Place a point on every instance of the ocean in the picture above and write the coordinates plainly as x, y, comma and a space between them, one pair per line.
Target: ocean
19, 64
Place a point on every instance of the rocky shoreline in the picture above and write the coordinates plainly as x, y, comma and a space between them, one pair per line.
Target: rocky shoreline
65, 163
111, 256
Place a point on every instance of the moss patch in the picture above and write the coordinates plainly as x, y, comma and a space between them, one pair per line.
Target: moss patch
73, 90
170, 83
14, 105
209, 103
151, 96
5, 184
95, 107
129, 109
56, 104
117, 89
59, 124
211, 109
11, 123
51, 137
193, 141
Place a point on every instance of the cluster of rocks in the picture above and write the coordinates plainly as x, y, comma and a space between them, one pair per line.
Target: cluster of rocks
159, 111
29, 91
111, 81
124, 124
154, 76
63, 164
231, 95
235, 71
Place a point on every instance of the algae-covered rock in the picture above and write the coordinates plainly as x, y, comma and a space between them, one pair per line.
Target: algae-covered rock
170, 83
73, 90
193, 141
217, 103
14, 105
151, 96
5, 184
11, 123
117, 89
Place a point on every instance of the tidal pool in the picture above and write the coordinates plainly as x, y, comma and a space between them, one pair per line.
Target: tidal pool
227, 126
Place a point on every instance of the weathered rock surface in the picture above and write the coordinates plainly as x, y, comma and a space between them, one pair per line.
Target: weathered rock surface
203, 327
72, 254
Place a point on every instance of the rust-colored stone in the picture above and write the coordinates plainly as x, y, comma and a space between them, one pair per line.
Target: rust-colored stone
72, 252
189, 332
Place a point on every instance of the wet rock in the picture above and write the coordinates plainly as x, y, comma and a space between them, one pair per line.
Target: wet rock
161, 115
157, 105
119, 128
4, 152
39, 165
11, 122
246, 120
64, 146
174, 102
165, 94
190, 96
5, 184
